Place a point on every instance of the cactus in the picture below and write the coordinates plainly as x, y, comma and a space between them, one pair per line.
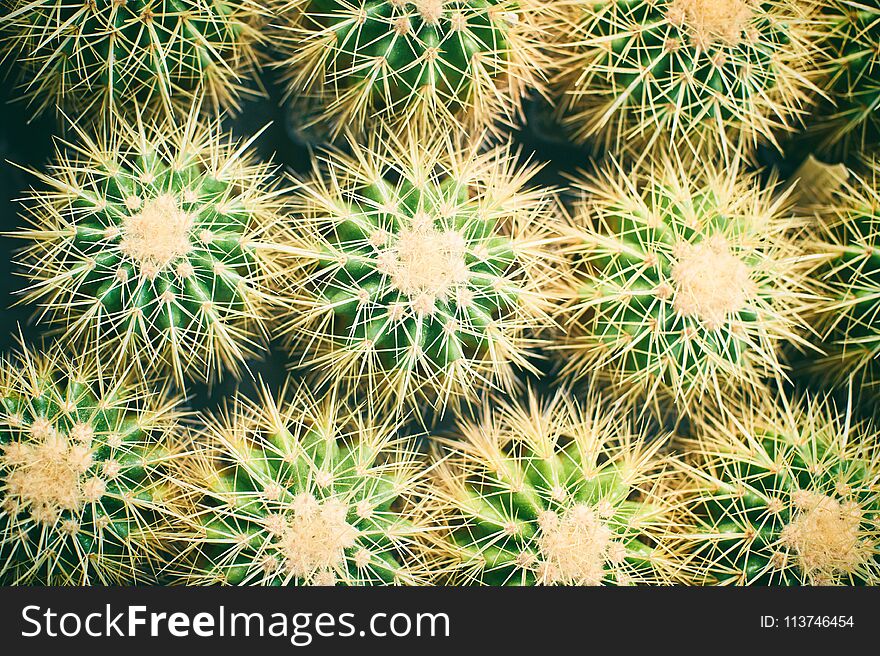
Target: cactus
687, 283
696, 72
158, 243
102, 55
430, 263
848, 244
550, 492
785, 494
852, 122
459, 62
299, 492
82, 488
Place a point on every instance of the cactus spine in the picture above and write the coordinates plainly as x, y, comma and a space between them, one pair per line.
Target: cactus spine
687, 282
82, 460
848, 243
693, 71
158, 243
431, 263
101, 55
550, 492
459, 62
298, 491
785, 495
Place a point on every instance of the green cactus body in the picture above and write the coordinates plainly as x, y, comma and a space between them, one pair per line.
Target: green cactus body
689, 287
694, 71
547, 493
81, 474
848, 243
785, 497
159, 243
301, 493
854, 80
114, 54
423, 281
466, 61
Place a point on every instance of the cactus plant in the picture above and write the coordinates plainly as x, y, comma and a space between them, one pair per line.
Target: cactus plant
852, 122
848, 243
460, 62
299, 491
547, 492
158, 243
696, 72
103, 55
785, 494
687, 282
82, 456
431, 263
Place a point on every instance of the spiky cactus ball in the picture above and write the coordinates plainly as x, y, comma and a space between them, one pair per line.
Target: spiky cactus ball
852, 120
98, 55
300, 491
550, 493
157, 243
461, 62
431, 265
848, 244
689, 279
785, 495
82, 458
695, 71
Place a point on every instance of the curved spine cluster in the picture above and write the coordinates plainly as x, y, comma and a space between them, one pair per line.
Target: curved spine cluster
785, 495
84, 454
105, 55
158, 243
433, 268
293, 490
551, 492
687, 283
713, 73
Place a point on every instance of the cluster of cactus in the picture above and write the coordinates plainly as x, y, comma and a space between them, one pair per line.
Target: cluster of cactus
498, 375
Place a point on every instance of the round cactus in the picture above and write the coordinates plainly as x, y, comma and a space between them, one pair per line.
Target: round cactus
695, 71
82, 488
785, 495
550, 492
853, 77
299, 492
462, 62
100, 55
687, 282
157, 243
848, 245
430, 264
